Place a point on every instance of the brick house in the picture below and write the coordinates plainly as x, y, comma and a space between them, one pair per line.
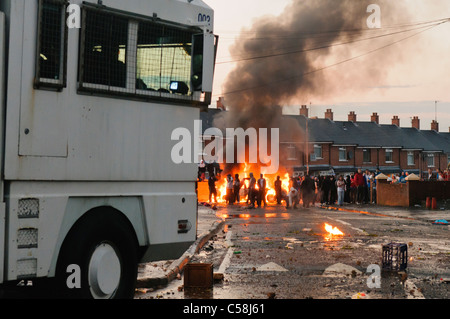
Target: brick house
341, 147
345, 146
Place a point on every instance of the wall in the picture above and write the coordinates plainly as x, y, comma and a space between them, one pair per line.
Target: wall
419, 191
411, 193
392, 194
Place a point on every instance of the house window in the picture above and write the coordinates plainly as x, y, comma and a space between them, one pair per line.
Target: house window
367, 156
411, 161
342, 154
430, 160
291, 153
318, 151
389, 155
51, 51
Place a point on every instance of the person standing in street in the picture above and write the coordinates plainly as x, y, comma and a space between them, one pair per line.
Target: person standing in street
236, 188
326, 191
308, 191
333, 190
201, 170
262, 191
348, 183
212, 188
340, 185
431, 176
359, 183
251, 190
278, 190
230, 196
293, 198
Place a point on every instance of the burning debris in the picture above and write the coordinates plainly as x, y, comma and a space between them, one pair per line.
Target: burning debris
333, 231
245, 188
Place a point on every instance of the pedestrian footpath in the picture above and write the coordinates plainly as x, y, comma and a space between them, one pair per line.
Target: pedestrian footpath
154, 274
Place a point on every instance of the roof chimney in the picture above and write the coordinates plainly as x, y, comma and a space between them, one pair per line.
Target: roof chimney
304, 111
375, 118
416, 122
435, 126
329, 114
352, 116
396, 121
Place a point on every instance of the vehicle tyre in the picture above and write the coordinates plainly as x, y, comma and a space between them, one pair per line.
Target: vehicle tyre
98, 259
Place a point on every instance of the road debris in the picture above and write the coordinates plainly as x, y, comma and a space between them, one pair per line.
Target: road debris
271, 267
360, 295
340, 269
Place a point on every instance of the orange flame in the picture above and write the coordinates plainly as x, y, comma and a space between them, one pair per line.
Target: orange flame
333, 230
270, 188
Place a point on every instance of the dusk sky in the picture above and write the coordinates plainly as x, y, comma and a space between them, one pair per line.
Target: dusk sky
409, 86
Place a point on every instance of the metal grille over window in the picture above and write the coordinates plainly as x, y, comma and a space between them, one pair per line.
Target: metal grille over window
138, 57
105, 51
28, 208
163, 59
27, 238
52, 43
27, 268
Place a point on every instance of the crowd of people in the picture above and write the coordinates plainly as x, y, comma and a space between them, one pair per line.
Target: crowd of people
327, 190
255, 190
356, 188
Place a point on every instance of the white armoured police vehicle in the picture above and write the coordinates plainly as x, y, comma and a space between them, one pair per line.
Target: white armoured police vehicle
90, 92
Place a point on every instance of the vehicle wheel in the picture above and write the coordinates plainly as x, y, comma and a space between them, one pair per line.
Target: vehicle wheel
103, 248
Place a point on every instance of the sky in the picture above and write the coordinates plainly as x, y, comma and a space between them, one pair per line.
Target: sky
411, 88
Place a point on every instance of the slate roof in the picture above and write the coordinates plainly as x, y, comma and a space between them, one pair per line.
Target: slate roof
371, 134
363, 134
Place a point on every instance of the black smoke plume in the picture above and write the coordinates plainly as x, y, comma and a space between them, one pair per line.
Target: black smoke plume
269, 74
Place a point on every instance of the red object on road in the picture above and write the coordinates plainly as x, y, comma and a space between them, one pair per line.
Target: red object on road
433, 203
428, 204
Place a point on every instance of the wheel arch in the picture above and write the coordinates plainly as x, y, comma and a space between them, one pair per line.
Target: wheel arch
129, 210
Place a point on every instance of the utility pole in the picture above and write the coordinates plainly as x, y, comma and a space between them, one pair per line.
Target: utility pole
307, 147
307, 141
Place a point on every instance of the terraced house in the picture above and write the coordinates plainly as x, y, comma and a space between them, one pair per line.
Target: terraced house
342, 147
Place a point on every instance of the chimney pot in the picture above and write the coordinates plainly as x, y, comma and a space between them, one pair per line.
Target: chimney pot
304, 111
375, 118
352, 116
416, 122
435, 126
396, 121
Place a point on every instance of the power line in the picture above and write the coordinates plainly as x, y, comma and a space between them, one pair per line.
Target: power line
322, 47
333, 65
326, 33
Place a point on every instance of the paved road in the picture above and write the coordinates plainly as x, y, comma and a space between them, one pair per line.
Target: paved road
287, 254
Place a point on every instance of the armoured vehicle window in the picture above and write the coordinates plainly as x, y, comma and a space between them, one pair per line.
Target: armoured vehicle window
105, 49
51, 48
132, 56
163, 58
